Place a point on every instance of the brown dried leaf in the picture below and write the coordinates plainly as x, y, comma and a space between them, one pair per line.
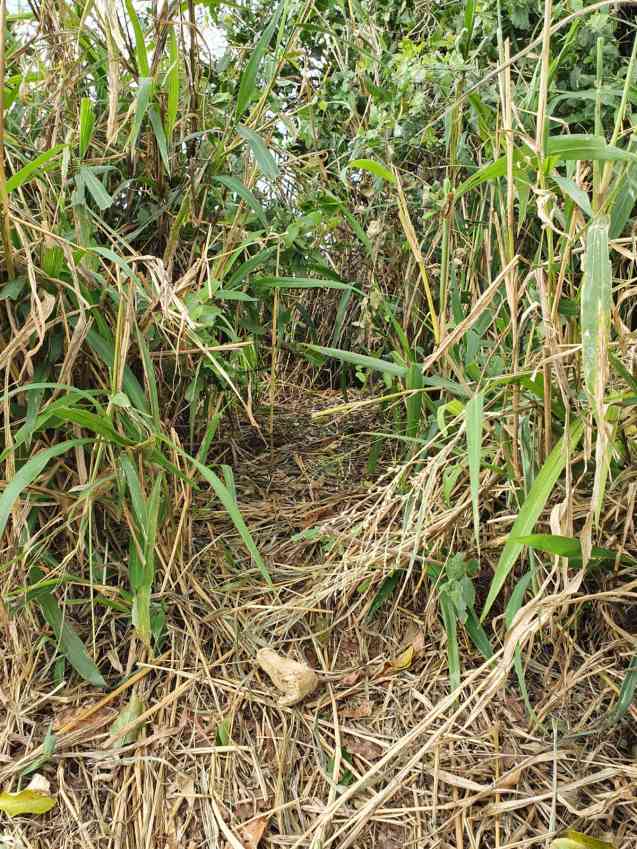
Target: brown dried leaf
358, 711
252, 832
295, 680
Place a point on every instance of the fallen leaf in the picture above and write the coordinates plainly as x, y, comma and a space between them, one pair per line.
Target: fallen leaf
413, 647
350, 679
295, 680
34, 799
252, 832
129, 714
357, 711
404, 659
577, 840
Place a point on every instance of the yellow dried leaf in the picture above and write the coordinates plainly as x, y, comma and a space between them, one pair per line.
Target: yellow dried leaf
295, 680
34, 799
577, 840
404, 659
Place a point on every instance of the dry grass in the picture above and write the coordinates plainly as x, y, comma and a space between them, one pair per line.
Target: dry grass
423, 767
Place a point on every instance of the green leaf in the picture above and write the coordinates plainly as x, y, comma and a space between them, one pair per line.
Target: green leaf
69, 643
262, 155
361, 360
627, 692
248, 84
531, 509
572, 190
385, 591
26, 172
586, 147
478, 635
160, 136
87, 122
95, 188
245, 194
376, 168
141, 54
144, 94
27, 473
571, 548
449, 620
302, 283
596, 305
474, 420
130, 384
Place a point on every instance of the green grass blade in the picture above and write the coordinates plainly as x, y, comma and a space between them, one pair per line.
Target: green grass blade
142, 102
530, 511
302, 283
160, 136
96, 189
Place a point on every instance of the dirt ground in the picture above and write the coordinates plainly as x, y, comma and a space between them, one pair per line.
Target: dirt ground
380, 755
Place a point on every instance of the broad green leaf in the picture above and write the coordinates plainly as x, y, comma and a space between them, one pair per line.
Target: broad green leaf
27, 473
245, 194
138, 501
376, 168
68, 641
26, 172
262, 155
248, 84
95, 188
385, 591
530, 511
87, 122
361, 360
474, 421
26, 802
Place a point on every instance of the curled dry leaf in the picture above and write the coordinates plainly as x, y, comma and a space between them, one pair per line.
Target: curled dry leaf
34, 799
295, 680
